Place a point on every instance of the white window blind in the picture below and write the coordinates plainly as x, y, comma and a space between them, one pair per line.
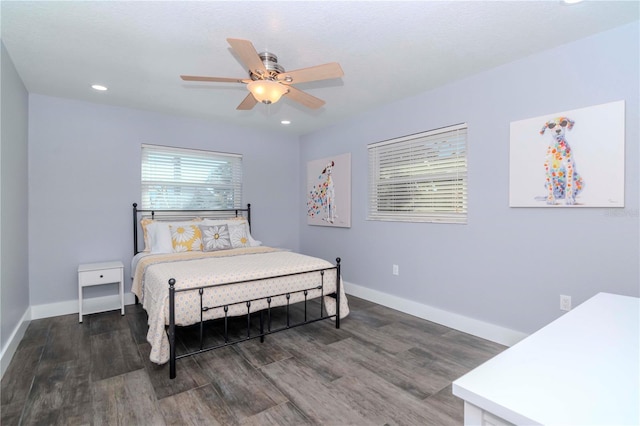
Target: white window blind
420, 178
186, 179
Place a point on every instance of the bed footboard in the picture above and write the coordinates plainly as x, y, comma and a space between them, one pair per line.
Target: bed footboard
267, 301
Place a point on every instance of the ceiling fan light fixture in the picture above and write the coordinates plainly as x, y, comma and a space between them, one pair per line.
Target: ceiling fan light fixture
267, 91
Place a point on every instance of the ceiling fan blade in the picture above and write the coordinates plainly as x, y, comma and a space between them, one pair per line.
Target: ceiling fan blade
319, 72
248, 55
304, 98
248, 103
214, 79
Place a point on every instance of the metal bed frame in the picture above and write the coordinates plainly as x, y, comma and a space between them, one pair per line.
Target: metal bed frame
171, 328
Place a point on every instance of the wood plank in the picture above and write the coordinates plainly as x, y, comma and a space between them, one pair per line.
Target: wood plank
201, 406
60, 395
379, 403
445, 407
310, 393
370, 362
377, 336
410, 321
324, 332
18, 377
281, 415
113, 353
190, 375
106, 321
127, 399
327, 362
463, 349
245, 390
371, 317
259, 354
10, 413
358, 304
441, 370
67, 341
17, 380
36, 334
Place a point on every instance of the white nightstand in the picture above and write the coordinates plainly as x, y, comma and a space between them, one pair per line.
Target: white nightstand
100, 273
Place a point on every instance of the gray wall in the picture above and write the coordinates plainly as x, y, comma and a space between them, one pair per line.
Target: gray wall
14, 278
84, 174
507, 266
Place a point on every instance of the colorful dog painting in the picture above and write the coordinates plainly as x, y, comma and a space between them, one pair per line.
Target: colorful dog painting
583, 152
562, 180
329, 189
323, 196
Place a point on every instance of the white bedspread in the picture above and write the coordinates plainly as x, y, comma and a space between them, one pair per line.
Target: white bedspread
195, 269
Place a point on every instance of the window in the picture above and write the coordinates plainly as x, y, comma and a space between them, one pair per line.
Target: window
186, 179
420, 178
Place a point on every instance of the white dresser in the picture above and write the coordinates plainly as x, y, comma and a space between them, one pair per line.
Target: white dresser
91, 274
582, 369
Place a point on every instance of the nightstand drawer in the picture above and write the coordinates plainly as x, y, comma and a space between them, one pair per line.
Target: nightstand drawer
98, 277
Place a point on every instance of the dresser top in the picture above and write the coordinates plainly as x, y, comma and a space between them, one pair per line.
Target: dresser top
580, 369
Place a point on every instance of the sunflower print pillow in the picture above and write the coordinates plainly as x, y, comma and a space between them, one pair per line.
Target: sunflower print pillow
215, 237
238, 233
185, 238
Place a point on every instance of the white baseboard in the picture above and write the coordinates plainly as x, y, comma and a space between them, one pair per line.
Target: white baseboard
485, 330
14, 340
90, 306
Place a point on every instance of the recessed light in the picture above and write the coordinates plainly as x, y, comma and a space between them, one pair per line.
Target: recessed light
98, 87
285, 122
572, 1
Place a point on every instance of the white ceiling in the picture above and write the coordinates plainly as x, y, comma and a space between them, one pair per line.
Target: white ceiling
388, 50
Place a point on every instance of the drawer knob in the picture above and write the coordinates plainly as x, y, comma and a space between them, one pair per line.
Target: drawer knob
101, 276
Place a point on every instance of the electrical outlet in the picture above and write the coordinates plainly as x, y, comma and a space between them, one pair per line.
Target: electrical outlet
396, 270
565, 303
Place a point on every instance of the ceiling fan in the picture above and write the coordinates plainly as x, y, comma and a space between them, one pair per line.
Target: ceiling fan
268, 81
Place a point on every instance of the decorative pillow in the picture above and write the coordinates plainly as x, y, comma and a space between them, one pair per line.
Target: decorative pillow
144, 223
235, 221
215, 237
185, 238
238, 233
252, 242
159, 234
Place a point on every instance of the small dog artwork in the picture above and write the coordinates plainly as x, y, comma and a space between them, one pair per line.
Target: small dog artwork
329, 191
322, 197
569, 159
562, 180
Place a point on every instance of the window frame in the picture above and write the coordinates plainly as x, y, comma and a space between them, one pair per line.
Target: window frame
420, 177
202, 180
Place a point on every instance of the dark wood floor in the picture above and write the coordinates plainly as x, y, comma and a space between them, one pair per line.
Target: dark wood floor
381, 367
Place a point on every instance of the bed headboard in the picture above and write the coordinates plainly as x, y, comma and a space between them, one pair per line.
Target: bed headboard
173, 215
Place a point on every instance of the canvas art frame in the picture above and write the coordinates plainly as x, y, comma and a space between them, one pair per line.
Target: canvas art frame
571, 158
329, 191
